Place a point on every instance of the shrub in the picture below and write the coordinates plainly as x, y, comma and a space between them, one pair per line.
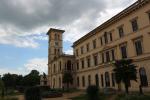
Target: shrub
33, 93
93, 93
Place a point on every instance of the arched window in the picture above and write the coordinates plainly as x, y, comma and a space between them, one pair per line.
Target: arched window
96, 80
59, 82
54, 68
107, 79
78, 82
54, 83
68, 65
143, 77
113, 79
60, 65
55, 51
55, 36
83, 81
89, 80
58, 37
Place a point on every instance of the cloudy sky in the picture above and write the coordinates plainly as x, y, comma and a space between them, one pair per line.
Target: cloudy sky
24, 23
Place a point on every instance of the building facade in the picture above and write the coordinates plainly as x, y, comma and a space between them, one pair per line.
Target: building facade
126, 35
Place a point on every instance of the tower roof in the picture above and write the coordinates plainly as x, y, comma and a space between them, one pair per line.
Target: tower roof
53, 29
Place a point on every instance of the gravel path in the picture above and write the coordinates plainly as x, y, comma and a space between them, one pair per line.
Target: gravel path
66, 96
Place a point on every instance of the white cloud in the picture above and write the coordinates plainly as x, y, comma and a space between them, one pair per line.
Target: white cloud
39, 64
18, 41
27, 17
70, 51
19, 71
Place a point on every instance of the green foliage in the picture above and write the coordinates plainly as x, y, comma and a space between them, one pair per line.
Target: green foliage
67, 78
8, 98
93, 92
133, 97
33, 93
14, 81
32, 79
2, 88
11, 80
125, 71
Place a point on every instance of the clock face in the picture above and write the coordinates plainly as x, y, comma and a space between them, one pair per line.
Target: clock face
56, 43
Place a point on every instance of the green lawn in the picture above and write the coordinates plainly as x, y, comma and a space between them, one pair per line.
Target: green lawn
84, 97
6, 98
116, 97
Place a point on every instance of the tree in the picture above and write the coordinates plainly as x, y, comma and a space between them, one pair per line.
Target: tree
11, 80
2, 88
125, 71
32, 79
93, 92
67, 79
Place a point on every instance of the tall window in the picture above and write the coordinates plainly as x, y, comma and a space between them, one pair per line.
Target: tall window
83, 81
56, 36
110, 36
95, 60
107, 56
123, 51
78, 82
88, 62
148, 14
82, 62
96, 80
121, 31
94, 44
134, 25
82, 50
77, 65
107, 79
58, 51
102, 80
138, 47
54, 68
60, 82
143, 77
60, 65
77, 52
105, 37
55, 50
113, 79
54, 83
101, 39
89, 80
103, 60
87, 47
113, 54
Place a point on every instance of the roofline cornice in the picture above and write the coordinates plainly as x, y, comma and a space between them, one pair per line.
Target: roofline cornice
112, 20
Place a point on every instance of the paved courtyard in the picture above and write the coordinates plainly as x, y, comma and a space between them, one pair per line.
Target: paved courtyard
66, 96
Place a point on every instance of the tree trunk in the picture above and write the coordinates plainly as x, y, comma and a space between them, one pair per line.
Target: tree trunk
126, 88
2, 94
67, 86
141, 90
119, 87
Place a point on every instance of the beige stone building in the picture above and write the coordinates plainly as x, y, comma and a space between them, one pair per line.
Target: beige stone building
58, 62
126, 35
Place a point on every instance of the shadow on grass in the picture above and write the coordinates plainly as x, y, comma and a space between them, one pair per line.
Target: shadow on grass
117, 97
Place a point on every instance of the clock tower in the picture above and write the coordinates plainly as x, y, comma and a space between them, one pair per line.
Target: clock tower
55, 43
